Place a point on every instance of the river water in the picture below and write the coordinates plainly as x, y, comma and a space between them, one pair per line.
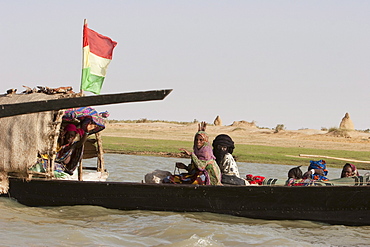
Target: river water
97, 226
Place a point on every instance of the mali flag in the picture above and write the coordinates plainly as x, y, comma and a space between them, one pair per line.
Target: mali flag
97, 54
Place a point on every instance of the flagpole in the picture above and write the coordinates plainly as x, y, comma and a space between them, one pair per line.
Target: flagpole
83, 57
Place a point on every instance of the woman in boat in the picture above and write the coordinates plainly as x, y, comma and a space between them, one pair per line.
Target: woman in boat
223, 147
69, 152
349, 170
203, 169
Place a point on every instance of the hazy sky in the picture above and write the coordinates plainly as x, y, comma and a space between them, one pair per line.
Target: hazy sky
303, 64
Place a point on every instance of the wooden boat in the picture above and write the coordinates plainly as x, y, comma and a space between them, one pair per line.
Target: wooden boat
348, 205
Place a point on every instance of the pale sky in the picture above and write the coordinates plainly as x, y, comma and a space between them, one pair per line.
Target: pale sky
303, 64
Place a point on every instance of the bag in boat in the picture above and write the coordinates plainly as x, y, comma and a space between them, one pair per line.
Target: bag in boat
156, 177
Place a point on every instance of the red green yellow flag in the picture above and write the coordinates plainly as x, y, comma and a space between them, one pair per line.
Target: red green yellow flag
97, 54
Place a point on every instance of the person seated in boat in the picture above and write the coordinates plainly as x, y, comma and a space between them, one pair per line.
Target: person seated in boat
295, 173
223, 147
295, 177
203, 169
317, 170
69, 152
349, 170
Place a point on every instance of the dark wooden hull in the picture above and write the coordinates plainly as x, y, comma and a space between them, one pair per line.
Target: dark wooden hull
348, 205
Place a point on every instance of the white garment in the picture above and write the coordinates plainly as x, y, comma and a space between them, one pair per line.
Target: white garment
228, 166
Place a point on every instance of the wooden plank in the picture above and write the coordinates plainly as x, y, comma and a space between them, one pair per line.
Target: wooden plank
334, 158
8, 110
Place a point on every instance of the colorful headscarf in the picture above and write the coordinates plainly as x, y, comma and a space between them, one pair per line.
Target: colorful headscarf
87, 115
72, 127
205, 152
353, 168
321, 164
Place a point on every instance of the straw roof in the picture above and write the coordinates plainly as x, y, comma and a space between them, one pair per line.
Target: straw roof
23, 137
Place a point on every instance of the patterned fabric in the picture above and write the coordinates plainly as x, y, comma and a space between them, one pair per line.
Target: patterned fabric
210, 169
70, 154
348, 181
193, 176
86, 115
203, 169
205, 152
300, 182
42, 166
72, 127
203, 134
321, 164
354, 170
228, 166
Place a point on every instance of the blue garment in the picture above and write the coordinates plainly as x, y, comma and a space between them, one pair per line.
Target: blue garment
320, 164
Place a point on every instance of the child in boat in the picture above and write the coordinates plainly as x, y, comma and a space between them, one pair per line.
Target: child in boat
203, 168
349, 170
296, 178
223, 147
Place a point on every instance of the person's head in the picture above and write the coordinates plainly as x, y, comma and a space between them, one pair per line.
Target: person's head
70, 132
222, 145
200, 139
69, 137
88, 125
349, 170
295, 173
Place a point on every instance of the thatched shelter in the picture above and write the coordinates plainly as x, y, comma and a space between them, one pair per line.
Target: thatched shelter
23, 138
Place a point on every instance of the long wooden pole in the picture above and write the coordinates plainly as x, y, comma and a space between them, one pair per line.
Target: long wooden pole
334, 158
8, 110
83, 56
100, 165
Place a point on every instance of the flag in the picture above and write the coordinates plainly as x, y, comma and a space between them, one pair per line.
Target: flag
97, 54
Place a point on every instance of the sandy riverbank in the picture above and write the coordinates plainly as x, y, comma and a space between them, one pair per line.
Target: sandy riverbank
244, 134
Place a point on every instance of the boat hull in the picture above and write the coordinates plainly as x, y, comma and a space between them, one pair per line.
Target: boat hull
348, 205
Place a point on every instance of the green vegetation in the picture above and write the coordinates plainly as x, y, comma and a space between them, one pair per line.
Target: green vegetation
338, 132
243, 152
279, 127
